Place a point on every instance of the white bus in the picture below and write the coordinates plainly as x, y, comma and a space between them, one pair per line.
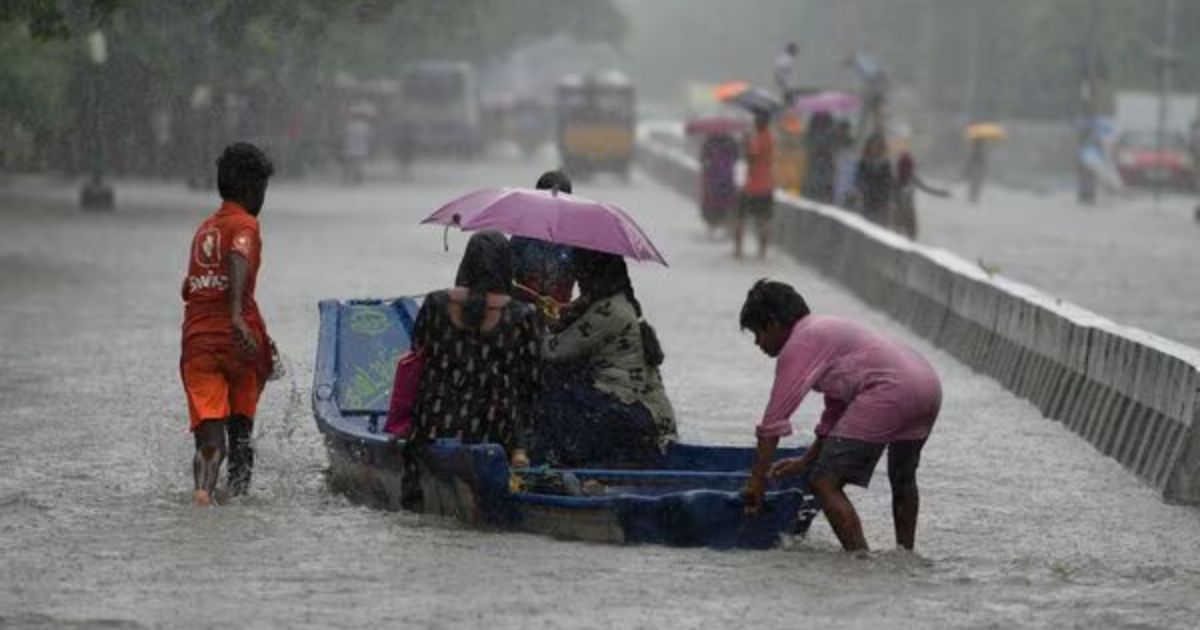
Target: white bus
442, 108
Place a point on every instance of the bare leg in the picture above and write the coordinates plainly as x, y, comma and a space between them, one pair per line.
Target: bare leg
842, 517
241, 454
906, 503
764, 236
206, 464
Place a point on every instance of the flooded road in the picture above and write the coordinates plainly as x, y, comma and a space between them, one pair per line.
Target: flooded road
1023, 524
1126, 258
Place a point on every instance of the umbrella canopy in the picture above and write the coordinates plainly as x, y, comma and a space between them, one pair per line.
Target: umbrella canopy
757, 100
712, 125
831, 101
747, 97
726, 91
985, 131
550, 216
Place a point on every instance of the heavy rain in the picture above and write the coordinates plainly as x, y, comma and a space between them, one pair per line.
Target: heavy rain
451, 314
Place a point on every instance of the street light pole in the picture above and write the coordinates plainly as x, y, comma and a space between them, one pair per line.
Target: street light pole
96, 195
1166, 59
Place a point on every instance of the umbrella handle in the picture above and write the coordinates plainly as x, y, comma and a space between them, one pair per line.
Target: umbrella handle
454, 220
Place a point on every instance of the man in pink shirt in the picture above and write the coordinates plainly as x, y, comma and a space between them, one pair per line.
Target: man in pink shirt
878, 393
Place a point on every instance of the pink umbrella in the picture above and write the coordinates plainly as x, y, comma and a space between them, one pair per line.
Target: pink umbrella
550, 216
830, 101
714, 125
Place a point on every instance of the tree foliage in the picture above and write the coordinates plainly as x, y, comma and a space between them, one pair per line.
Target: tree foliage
161, 52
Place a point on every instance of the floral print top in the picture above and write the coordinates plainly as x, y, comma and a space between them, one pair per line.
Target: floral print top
607, 340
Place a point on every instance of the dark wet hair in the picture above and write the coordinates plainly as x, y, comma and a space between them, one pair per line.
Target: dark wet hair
601, 275
554, 180
242, 170
486, 267
768, 301
821, 121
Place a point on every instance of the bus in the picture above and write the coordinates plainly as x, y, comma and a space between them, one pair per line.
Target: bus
442, 111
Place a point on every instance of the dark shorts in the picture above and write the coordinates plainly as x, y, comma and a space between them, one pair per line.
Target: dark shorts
756, 206
853, 461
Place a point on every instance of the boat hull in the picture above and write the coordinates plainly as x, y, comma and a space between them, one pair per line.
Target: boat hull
691, 497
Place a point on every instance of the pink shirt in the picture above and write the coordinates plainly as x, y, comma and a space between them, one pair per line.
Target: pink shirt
876, 389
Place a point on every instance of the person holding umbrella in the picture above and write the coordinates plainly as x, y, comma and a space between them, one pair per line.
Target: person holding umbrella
978, 137
602, 359
758, 193
718, 157
542, 269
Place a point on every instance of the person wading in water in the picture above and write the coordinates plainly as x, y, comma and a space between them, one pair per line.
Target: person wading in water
226, 354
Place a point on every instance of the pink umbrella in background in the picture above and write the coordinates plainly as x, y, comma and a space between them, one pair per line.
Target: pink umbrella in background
550, 216
714, 125
831, 101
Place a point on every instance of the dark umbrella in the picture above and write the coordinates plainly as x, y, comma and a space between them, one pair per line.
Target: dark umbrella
756, 100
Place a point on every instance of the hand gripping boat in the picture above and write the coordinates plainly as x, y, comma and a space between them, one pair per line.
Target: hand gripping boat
691, 498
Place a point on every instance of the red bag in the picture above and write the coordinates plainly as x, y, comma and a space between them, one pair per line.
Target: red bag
404, 392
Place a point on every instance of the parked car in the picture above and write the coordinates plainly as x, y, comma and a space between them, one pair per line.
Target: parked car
1142, 162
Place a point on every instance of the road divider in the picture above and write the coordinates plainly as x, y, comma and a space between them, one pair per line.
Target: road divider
1131, 394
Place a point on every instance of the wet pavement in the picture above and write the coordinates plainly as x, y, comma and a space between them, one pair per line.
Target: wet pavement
1023, 524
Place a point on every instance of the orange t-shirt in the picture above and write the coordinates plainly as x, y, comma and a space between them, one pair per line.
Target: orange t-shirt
206, 289
758, 158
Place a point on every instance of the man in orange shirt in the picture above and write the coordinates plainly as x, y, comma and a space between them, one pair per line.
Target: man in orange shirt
758, 195
226, 355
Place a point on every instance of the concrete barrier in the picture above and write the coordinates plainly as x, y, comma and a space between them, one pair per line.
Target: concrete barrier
1131, 394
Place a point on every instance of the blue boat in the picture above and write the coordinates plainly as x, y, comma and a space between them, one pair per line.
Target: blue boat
690, 498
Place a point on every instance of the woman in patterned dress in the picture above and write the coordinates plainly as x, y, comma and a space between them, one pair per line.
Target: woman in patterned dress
481, 360
603, 402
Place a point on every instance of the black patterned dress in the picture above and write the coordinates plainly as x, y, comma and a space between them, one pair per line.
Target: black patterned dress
477, 386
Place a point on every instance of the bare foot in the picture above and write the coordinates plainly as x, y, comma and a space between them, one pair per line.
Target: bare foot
202, 499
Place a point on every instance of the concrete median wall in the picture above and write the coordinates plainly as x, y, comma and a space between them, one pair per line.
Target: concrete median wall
1131, 394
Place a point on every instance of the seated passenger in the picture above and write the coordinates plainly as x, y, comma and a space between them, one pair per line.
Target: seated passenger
603, 402
541, 270
480, 372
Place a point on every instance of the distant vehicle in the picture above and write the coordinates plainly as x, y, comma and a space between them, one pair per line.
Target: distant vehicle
442, 111
596, 119
1141, 162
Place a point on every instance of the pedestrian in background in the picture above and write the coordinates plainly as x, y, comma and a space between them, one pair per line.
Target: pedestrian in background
786, 78
822, 158
758, 193
975, 168
904, 208
873, 182
718, 194
845, 161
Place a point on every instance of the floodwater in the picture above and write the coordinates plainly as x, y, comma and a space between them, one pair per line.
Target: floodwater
1023, 524
1128, 258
